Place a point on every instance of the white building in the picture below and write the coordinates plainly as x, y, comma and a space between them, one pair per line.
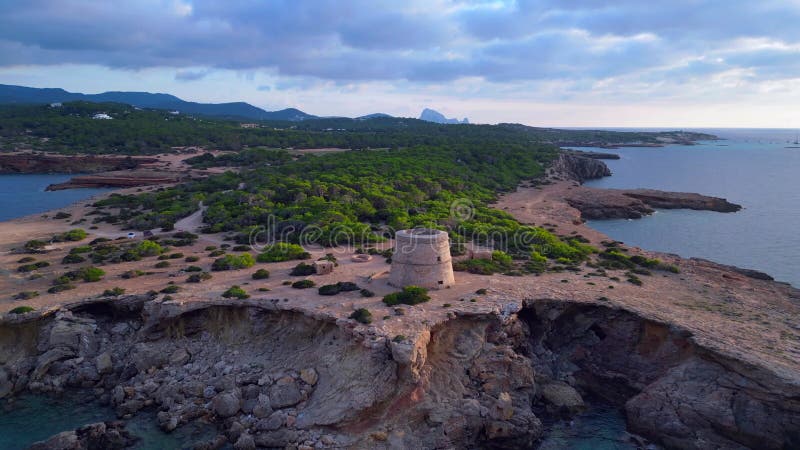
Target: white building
102, 116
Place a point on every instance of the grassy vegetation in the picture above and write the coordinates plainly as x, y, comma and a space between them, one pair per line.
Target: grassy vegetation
303, 284
233, 262
342, 286
282, 251
22, 310
261, 274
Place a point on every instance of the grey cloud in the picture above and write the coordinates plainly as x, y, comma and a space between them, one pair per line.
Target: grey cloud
356, 40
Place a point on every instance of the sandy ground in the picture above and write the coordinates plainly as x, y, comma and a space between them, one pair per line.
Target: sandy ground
750, 319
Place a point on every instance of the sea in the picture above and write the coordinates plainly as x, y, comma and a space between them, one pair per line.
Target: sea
751, 167
22, 195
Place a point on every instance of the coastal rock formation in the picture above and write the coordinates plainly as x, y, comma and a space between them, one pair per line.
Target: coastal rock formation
636, 203
46, 163
275, 377
118, 180
571, 166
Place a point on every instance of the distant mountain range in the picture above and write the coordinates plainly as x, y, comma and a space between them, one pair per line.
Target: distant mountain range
10, 94
430, 115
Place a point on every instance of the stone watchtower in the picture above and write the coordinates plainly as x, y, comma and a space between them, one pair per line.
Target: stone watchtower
422, 258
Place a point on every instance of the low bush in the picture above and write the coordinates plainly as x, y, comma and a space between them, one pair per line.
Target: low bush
25, 260
198, 277
410, 295
302, 270
361, 315
193, 269
80, 249
72, 258
171, 289
192, 259
282, 251
233, 262
216, 253
33, 266
26, 295
35, 246
61, 287
261, 274
162, 264
22, 310
235, 292
131, 274
303, 284
241, 248
113, 292
367, 293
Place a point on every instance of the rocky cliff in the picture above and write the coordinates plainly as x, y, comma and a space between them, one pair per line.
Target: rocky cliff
573, 166
275, 377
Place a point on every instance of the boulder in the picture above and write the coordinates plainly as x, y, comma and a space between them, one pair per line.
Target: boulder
103, 363
563, 397
309, 376
226, 404
285, 392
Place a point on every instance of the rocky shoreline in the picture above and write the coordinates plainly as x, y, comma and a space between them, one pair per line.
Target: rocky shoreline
123, 179
277, 377
594, 203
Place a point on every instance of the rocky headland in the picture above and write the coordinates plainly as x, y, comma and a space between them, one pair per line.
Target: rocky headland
707, 356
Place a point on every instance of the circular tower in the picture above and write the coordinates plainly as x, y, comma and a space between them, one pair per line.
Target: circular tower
422, 258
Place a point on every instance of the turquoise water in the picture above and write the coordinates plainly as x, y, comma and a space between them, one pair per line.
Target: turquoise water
752, 168
21, 195
33, 418
601, 427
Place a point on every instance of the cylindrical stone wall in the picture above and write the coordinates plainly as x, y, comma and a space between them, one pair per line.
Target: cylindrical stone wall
422, 258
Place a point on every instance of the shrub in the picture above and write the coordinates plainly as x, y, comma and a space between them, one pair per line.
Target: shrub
410, 295
35, 246
241, 248
329, 289
198, 277
232, 262
62, 215
193, 269
73, 258
148, 248
481, 291
33, 266
163, 257
282, 251
176, 256
26, 260
60, 288
113, 292
361, 315
192, 259
367, 293
261, 274
73, 235
171, 289
302, 270
162, 264
235, 292
211, 248
132, 274
303, 284
26, 295
91, 274
537, 263
399, 338
216, 253
21, 310
80, 249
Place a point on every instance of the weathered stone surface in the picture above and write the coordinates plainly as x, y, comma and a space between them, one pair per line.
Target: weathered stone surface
103, 363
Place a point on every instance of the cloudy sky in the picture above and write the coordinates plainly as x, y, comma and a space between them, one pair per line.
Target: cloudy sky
665, 63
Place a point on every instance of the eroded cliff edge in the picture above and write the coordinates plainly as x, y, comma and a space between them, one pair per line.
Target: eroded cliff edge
271, 376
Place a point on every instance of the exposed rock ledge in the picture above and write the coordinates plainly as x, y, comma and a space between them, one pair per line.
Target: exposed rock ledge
636, 203
120, 179
275, 377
